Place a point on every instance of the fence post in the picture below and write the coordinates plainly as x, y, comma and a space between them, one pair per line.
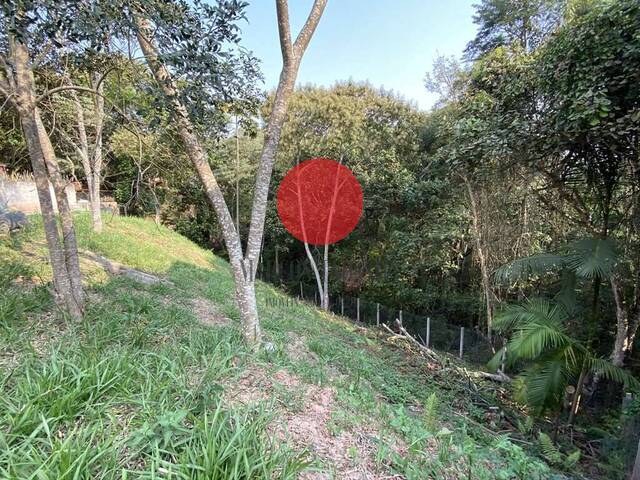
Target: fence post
461, 341
358, 309
315, 298
341, 305
378, 314
400, 319
301, 292
428, 331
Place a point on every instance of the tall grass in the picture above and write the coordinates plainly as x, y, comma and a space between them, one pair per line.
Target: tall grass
132, 391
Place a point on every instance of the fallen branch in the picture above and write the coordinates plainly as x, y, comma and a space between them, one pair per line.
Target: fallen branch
496, 377
115, 268
406, 336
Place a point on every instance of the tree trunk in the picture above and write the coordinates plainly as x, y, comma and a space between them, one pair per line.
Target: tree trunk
620, 345
633, 329
575, 402
63, 251
246, 299
96, 161
61, 279
95, 203
69, 241
325, 291
91, 157
316, 272
484, 270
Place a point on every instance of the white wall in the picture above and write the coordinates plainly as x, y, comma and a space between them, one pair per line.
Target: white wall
22, 195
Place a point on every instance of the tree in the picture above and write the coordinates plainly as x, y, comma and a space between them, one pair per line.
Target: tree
445, 79
588, 77
517, 23
244, 266
23, 32
91, 155
86, 137
480, 156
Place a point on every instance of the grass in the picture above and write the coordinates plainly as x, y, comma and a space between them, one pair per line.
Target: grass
140, 388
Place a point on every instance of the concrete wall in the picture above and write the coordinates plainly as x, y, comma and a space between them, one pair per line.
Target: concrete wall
22, 195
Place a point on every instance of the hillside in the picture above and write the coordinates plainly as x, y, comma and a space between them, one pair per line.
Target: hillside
156, 382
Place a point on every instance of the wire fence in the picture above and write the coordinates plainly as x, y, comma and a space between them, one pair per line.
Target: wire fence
434, 331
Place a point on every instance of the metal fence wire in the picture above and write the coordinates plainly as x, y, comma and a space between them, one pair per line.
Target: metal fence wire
435, 331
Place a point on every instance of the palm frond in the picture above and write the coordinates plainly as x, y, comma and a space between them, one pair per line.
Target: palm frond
538, 330
567, 296
545, 382
509, 318
535, 339
592, 257
524, 267
609, 371
514, 317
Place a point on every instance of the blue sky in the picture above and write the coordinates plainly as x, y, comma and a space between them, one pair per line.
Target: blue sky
390, 43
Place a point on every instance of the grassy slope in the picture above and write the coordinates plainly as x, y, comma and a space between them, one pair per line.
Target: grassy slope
142, 389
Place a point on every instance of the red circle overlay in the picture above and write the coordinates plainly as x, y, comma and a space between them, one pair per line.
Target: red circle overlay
319, 201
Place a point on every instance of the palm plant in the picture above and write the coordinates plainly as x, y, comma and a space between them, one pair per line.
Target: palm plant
538, 332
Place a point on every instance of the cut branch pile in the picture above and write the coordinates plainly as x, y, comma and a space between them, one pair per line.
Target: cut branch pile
499, 376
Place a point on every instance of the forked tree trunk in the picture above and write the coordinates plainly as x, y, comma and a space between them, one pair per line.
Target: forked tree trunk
242, 272
63, 250
292, 54
323, 283
244, 267
69, 240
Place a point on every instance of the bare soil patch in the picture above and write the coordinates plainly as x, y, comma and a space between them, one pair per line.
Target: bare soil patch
348, 455
208, 313
297, 349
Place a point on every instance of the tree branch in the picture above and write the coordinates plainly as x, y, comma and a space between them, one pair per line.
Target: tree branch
284, 30
62, 89
302, 41
8, 75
